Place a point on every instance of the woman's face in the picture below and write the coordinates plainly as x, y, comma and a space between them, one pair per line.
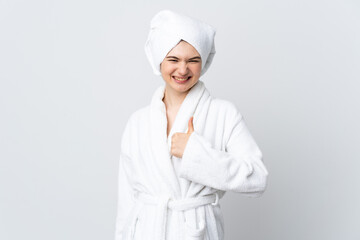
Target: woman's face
181, 67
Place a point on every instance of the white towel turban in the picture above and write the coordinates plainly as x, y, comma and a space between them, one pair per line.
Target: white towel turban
168, 29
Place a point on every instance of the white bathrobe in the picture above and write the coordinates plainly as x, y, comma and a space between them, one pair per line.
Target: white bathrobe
164, 197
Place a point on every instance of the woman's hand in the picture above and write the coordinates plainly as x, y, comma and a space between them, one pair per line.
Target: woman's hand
179, 140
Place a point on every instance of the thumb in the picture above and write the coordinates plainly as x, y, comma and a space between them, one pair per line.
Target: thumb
191, 126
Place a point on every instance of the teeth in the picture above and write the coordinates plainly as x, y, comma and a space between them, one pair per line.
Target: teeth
180, 79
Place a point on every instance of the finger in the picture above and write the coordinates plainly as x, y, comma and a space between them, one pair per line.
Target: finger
191, 125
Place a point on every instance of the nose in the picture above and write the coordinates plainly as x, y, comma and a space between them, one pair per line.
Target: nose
183, 68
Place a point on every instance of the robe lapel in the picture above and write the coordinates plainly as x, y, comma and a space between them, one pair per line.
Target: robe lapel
187, 109
160, 147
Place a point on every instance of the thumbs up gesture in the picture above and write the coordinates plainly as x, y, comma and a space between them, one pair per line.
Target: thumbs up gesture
179, 140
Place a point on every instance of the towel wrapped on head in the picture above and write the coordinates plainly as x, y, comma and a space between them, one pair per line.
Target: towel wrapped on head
169, 28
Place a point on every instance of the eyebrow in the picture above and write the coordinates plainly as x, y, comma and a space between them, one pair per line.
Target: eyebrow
193, 58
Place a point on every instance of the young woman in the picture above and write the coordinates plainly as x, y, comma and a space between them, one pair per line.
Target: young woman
181, 153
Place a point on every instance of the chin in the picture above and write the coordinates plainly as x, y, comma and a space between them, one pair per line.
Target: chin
183, 87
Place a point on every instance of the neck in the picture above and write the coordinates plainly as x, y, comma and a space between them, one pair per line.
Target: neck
172, 98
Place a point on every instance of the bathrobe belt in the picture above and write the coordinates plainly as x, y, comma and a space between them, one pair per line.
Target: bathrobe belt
163, 203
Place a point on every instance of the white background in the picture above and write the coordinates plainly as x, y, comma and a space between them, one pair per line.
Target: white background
71, 73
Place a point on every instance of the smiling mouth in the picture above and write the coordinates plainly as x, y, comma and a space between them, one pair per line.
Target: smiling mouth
179, 79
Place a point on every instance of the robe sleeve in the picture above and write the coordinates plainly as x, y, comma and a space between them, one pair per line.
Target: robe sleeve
239, 168
125, 201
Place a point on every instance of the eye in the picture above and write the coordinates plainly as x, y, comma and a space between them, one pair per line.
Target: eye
173, 60
194, 61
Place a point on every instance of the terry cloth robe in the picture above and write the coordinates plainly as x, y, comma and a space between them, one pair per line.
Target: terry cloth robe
164, 197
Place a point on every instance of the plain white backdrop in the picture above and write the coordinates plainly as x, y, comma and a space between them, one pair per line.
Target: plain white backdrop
71, 73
